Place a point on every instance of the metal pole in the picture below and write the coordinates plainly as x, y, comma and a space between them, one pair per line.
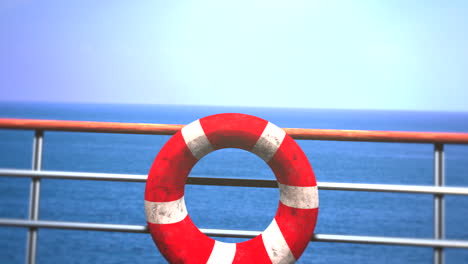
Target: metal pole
31, 245
439, 212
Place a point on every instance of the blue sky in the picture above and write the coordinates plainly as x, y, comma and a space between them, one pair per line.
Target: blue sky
408, 55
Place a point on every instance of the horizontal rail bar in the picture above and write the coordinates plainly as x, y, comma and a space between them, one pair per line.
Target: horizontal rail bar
297, 133
365, 187
90, 126
73, 225
71, 175
421, 242
378, 136
400, 241
237, 182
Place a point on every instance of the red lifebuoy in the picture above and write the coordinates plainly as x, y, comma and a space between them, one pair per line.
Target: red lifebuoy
174, 233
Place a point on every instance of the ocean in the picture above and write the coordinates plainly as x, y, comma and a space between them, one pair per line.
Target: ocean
341, 212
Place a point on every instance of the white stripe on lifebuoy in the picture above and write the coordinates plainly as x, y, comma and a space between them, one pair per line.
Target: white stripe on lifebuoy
276, 246
196, 140
165, 212
223, 253
269, 142
299, 197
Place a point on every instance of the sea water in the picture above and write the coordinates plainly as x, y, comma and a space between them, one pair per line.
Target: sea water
341, 212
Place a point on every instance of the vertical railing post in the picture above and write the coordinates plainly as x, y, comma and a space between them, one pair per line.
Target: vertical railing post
31, 245
439, 212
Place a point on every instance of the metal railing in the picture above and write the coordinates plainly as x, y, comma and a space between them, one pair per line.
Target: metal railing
438, 243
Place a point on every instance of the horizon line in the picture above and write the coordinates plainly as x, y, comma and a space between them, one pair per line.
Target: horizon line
228, 106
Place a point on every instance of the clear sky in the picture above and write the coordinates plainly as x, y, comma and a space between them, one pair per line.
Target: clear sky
314, 54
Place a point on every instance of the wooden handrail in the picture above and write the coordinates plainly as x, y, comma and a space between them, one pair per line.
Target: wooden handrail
90, 126
297, 133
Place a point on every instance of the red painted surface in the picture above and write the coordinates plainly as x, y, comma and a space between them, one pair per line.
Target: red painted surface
251, 251
182, 242
169, 172
233, 130
291, 166
297, 226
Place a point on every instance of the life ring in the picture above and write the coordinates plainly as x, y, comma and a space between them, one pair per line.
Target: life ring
174, 233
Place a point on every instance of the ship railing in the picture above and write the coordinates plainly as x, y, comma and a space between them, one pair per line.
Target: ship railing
438, 190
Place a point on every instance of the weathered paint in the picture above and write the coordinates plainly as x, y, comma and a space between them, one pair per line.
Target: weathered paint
179, 240
269, 142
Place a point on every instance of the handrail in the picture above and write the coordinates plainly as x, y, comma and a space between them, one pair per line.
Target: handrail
438, 190
400, 241
296, 133
90, 126
233, 182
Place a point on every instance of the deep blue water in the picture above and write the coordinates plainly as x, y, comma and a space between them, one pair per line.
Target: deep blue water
353, 213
